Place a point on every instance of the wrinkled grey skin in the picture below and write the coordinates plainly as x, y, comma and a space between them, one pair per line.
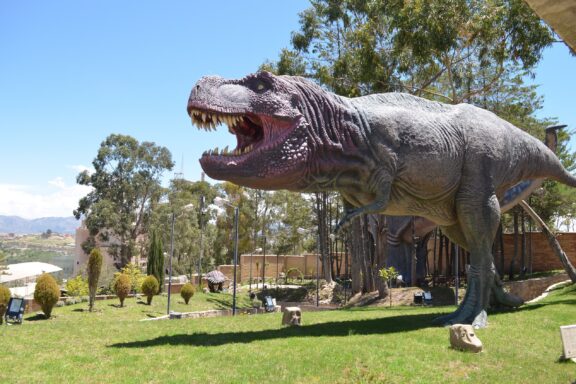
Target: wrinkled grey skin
392, 153
511, 198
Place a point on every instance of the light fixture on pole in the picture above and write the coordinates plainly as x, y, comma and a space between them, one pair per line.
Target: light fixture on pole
201, 253
221, 202
303, 231
184, 208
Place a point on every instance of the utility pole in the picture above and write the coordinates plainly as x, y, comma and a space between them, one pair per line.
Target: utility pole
414, 254
202, 221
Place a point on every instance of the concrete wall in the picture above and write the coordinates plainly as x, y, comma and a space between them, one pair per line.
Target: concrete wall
81, 257
532, 288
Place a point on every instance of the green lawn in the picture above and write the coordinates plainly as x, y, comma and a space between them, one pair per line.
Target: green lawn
366, 345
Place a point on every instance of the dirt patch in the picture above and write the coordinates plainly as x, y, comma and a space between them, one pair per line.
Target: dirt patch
405, 296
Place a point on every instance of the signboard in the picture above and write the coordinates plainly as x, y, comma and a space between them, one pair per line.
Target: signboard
568, 333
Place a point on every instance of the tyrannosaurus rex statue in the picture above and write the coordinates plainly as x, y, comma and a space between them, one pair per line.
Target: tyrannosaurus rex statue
292, 134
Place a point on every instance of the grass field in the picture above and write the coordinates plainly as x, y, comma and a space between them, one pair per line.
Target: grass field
363, 345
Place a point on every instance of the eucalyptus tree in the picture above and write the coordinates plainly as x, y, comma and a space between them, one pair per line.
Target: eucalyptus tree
182, 203
224, 242
126, 185
452, 50
292, 211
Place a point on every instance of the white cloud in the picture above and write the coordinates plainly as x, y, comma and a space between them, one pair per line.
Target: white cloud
55, 199
81, 168
58, 182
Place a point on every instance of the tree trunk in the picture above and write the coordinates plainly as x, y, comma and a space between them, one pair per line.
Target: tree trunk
355, 256
378, 229
323, 233
367, 257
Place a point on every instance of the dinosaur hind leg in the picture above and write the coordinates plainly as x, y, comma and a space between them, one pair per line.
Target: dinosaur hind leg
478, 219
498, 294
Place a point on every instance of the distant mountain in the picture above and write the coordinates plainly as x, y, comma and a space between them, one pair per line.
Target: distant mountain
18, 225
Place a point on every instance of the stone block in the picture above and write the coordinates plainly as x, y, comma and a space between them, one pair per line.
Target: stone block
292, 316
463, 337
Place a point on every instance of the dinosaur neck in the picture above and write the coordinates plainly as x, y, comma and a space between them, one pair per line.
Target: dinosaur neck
324, 112
338, 135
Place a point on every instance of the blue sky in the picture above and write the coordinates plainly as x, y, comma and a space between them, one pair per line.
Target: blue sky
72, 72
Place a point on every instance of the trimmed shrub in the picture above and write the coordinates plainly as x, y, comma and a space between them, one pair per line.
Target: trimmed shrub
47, 293
136, 276
187, 292
77, 286
122, 287
150, 287
93, 269
4, 299
294, 273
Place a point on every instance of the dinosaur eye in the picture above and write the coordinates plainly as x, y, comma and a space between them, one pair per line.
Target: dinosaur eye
261, 86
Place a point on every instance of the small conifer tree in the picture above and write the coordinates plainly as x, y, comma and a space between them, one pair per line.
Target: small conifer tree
122, 287
150, 287
187, 292
94, 268
47, 293
155, 265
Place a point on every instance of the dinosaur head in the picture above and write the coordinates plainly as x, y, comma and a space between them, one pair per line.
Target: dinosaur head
262, 111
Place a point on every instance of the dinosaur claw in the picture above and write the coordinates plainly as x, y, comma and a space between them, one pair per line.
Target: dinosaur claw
343, 224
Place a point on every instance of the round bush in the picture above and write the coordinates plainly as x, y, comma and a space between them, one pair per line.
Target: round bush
187, 292
4, 299
150, 287
122, 287
47, 293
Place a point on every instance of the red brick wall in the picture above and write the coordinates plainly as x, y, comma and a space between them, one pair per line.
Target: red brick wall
543, 258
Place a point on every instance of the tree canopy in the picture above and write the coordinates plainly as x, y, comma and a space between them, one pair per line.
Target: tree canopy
126, 185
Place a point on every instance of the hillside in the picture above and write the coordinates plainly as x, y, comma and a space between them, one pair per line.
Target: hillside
18, 225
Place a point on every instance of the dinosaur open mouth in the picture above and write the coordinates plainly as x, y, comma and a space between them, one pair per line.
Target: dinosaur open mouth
248, 129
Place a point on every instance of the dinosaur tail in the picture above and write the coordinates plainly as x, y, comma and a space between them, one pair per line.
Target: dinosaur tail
566, 178
547, 163
524, 188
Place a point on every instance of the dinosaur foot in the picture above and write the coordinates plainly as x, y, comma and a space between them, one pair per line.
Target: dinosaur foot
472, 308
479, 320
501, 297
506, 299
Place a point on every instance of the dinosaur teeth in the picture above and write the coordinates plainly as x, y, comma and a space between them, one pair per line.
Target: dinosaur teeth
211, 120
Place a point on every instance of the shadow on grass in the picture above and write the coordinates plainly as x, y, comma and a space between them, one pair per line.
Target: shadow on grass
36, 317
220, 302
383, 325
